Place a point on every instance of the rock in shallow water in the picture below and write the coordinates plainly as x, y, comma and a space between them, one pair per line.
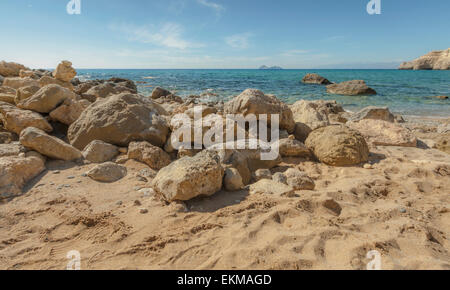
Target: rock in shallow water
351, 88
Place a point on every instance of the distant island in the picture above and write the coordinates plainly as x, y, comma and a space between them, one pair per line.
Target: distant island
265, 67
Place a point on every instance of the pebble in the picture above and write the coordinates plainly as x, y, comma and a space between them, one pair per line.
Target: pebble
368, 166
119, 202
84, 175
402, 210
71, 177
147, 191
143, 210
137, 203
56, 172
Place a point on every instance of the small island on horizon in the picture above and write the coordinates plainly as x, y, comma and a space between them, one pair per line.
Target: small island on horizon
265, 67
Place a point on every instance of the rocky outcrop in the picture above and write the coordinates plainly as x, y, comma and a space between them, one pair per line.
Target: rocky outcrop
64, 71
379, 132
11, 69
435, 60
256, 102
47, 80
15, 119
351, 88
153, 156
98, 152
315, 79
189, 177
16, 171
47, 145
119, 120
107, 172
46, 99
338, 145
374, 113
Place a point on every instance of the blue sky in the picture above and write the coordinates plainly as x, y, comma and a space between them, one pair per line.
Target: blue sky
222, 33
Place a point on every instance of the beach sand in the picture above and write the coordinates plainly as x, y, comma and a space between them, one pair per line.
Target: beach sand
400, 208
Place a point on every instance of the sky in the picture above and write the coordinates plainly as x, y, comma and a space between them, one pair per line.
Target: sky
225, 34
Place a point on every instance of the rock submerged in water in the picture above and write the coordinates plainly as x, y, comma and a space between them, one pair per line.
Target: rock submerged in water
315, 79
189, 177
351, 88
119, 120
435, 60
338, 145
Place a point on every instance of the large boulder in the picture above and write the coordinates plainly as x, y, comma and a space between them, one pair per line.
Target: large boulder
124, 83
48, 80
189, 177
105, 90
64, 71
47, 145
338, 145
375, 113
315, 79
98, 151
379, 132
159, 92
351, 88
107, 172
16, 171
69, 111
435, 60
315, 114
46, 99
290, 147
25, 93
15, 119
153, 156
17, 83
255, 102
119, 120
11, 69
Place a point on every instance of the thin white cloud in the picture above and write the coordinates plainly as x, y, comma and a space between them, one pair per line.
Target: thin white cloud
217, 7
167, 35
239, 41
294, 52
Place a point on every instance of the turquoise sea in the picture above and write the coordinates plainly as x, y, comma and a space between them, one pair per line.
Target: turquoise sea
404, 92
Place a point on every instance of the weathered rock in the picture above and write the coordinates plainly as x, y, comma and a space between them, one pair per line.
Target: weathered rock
47, 145
338, 146
17, 83
290, 147
107, 172
64, 71
159, 92
119, 120
13, 149
299, 180
105, 90
315, 114
129, 84
262, 174
351, 88
11, 69
375, 113
149, 154
315, 79
7, 98
245, 161
379, 132
46, 99
7, 137
16, 171
189, 177
98, 151
279, 177
232, 180
7, 90
28, 74
435, 60
266, 186
69, 111
1, 80
301, 131
255, 102
25, 93
15, 119
48, 80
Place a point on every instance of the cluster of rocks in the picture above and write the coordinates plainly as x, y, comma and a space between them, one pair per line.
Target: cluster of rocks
52, 115
348, 88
